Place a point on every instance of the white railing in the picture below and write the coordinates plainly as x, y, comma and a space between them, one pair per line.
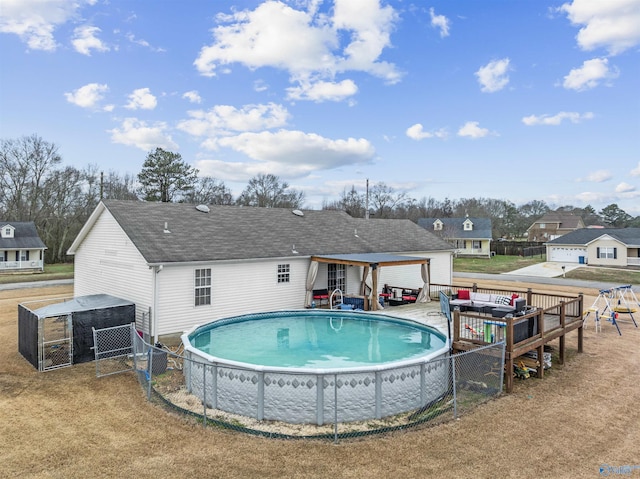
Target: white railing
15, 265
633, 261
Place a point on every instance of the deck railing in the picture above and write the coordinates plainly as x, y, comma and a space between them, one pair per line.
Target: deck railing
547, 317
19, 265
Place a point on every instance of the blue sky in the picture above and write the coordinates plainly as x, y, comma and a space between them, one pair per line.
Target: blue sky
516, 100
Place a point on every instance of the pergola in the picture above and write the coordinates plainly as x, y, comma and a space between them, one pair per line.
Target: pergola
370, 262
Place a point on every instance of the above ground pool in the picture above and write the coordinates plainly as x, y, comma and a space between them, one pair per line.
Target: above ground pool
292, 366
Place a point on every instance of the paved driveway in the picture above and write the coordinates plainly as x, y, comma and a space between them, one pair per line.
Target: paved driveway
545, 270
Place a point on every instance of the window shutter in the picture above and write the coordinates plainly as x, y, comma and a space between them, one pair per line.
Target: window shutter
598, 252
17, 255
615, 253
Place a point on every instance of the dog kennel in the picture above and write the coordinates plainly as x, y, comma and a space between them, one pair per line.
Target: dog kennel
59, 334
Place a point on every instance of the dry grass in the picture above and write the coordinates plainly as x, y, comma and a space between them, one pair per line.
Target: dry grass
68, 423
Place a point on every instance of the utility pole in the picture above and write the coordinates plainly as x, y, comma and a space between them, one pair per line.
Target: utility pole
366, 202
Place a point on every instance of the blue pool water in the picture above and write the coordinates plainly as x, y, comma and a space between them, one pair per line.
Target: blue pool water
316, 339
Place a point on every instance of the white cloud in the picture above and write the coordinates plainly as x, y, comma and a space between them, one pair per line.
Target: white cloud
87, 96
589, 75
416, 132
556, 119
132, 38
441, 22
35, 21
224, 119
323, 91
85, 40
300, 150
610, 24
306, 44
134, 132
599, 176
141, 99
193, 96
625, 188
635, 171
472, 130
493, 76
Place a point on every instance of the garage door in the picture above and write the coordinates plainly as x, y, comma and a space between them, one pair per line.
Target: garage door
567, 255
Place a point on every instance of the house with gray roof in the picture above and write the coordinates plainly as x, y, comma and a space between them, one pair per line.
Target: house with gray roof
470, 237
553, 225
21, 249
597, 246
185, 265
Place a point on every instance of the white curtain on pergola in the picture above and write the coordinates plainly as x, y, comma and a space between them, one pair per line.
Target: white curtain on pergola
311, 280
424, 296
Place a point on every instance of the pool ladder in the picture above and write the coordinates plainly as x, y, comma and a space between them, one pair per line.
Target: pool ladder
337, 306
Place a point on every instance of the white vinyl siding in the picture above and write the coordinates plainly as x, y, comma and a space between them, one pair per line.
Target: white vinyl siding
107, 263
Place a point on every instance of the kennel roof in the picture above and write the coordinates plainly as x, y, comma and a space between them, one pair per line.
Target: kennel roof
81, 303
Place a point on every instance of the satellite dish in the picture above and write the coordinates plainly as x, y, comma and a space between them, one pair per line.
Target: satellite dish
298, 213
203, 208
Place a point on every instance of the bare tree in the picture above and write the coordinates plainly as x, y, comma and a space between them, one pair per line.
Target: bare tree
268, 191
25, 165
209, 191
385, 200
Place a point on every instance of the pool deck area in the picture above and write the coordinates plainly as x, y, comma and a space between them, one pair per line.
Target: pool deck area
548, 317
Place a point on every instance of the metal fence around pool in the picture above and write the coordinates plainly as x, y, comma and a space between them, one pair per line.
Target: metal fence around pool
440, 390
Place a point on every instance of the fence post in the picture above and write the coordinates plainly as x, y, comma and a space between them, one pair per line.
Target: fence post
453, 382
149, 371
204, 395
134, 346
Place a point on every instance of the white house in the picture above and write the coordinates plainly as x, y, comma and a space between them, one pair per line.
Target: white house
21, 249
185, 265
618, 247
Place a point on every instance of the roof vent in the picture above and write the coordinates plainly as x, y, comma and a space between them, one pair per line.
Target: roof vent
298, 213
203, 208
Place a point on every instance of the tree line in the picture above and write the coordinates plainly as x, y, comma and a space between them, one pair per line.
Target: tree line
36, 186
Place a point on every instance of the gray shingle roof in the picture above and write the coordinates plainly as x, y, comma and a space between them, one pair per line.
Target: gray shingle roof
25, 236
582, 236
564, 220
236, 232
453, 227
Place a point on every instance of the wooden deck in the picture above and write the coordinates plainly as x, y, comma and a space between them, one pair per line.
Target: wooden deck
555, 317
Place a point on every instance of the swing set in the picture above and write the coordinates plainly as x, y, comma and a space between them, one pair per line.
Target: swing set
611, 303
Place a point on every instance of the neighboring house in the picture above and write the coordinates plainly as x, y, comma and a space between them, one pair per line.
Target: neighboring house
597, 247
469, 236
21, 249
185, 265
553, 225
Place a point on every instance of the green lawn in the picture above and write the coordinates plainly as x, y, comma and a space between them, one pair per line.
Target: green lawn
51, 271
503, 264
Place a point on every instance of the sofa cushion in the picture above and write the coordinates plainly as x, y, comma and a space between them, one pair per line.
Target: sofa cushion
484, 297
506, 300
463, 294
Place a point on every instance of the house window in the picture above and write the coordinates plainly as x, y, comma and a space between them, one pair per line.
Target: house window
24, 255
203, 287
336, 277
284, 273
542, 226
7, 232
607, 253
477, 244
437, 226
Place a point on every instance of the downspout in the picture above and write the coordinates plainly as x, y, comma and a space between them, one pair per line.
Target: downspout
154, 304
